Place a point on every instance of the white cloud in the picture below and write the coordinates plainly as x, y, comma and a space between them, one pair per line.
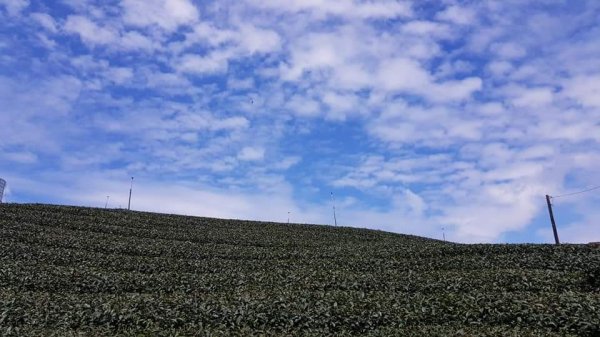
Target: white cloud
45, 21
166, 81
209, 34
476, 204
454, 68
167, 14
585, 228
375, 170
54, 96
382, 9
415, 203
46, 42
585, 90
316, 51
342, 105
96, 34
530, 97
427, 28
508, 50
489, 221
190, 137
222, 44
500, 68
133, 40
303, 106
90, 32
351, 76
458, 15
455, 90
403, 74
577, 232
350, 9
79, 5
40, 123
490, 108
100, 72
257, 40
287, 162
240, 84
407, 75
231, 123
119, 75
14, 7
214, 62
537, 152
251, 153
20, 157
353, 59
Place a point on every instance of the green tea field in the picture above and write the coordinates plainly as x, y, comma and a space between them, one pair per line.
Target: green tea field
72, 271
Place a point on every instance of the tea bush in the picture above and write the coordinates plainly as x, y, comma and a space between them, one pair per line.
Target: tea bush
71, 271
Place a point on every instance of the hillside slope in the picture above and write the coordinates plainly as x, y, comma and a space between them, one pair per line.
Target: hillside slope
81, 271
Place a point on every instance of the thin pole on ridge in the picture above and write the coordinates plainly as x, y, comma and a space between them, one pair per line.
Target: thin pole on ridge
334, 216
130, 189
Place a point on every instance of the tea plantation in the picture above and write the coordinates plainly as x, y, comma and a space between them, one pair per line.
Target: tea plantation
71, 271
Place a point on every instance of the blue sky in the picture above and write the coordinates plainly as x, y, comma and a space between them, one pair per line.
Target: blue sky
417, 115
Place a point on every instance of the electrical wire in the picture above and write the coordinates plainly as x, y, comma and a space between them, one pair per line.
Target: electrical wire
574, 193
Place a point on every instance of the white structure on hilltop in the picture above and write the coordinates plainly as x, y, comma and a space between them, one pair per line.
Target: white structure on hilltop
2, 185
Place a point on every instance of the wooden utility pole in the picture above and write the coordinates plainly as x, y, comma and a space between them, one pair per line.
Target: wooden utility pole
552, 219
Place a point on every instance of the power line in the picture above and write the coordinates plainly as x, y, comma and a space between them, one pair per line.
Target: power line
574, 193
551, 213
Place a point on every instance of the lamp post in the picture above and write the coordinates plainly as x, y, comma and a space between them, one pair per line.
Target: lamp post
130, 189
334, 216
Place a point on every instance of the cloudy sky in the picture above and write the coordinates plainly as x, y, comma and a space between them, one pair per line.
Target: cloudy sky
417, 115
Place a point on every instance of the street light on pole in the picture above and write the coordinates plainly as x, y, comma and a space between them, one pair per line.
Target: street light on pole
334, 217
130, 189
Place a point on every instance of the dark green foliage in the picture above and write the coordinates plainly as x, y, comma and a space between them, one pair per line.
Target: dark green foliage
593, 277
68, 271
